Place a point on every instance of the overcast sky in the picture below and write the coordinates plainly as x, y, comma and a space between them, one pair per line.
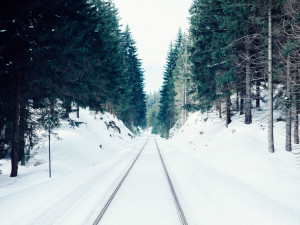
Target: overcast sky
154, 24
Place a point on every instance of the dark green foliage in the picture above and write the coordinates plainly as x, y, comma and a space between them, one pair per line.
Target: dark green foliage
210, 52
152, 112
236, 45
167, 113
57, 54
134, 114
221, 33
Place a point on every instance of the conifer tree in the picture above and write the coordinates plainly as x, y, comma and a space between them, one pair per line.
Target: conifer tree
210, 54
53, 54
201, 30
135, 114
182, 81
167, 113
152, 112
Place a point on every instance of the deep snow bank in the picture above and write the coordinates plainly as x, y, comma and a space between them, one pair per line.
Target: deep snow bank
227, 175
73, 148
86, 164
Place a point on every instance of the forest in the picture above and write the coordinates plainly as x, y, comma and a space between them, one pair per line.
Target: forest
84, 141
58, 56
234, 51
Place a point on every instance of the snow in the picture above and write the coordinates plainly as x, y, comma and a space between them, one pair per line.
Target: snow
145, 197
227, 176
82, 175
221, 176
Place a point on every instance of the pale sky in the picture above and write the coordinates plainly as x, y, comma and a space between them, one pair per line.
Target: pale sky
154, 24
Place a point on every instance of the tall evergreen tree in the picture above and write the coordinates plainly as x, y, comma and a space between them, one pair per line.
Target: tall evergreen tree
210, 54
53, 54
182, 81
167, 112
202, 29
135, 114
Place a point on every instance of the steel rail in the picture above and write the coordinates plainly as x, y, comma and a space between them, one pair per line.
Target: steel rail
99, 217
178, 206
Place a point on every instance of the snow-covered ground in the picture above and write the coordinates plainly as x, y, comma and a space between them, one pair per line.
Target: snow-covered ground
221, 176
145, 197
83, 175
227, 176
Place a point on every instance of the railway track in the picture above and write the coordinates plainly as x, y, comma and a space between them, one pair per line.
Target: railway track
177, 203
171, 186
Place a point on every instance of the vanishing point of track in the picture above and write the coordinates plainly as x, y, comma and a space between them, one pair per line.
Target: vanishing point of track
176, 200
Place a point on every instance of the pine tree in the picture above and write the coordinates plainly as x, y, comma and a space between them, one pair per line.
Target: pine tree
167, 112
135, 114
202, 28
210, 54
53, 54
182, 81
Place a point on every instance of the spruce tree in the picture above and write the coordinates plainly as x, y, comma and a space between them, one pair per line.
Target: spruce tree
202, 29
135, 114
53, 54
182, 81
167, 112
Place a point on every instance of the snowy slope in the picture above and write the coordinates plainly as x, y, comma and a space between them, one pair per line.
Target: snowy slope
227, 176
222, 176
83, 174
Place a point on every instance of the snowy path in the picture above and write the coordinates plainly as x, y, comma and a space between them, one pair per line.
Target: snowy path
145, 197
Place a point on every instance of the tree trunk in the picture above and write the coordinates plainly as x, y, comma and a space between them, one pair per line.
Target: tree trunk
296, 127
52, 103
185, 100
14, 146
68, 108
21, 136
77, 111
30, 134
296, 110
237, 100
242, 100
217, 107
258, 95
270, 82
228, 116
183, 103
242, 106
248, 116
220, 108
288, 140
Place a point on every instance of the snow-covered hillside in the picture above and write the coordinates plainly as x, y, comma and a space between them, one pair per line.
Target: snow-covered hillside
227, 176
86, 162
222, 176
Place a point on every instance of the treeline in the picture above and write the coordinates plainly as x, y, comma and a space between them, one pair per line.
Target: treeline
57, 56
177, 97
236, 48
152, 112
